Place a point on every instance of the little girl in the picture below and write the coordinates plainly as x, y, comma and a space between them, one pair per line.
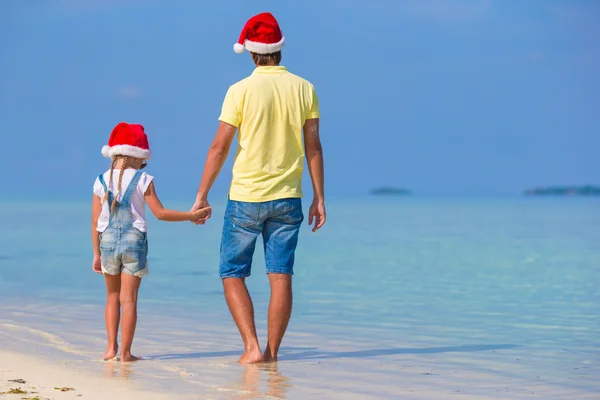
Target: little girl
119, 230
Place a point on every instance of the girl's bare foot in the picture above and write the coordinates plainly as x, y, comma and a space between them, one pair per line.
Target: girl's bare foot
129, 357
251, 357
110, 353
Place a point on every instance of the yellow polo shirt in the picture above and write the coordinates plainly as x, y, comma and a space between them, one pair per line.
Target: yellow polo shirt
269, 109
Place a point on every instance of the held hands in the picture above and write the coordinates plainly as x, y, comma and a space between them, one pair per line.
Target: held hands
201, 214
317, 213
97, 265
203, 208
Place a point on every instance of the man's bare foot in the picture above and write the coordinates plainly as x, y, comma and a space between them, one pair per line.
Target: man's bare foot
110, 353
268, 357
251, 357
129, 358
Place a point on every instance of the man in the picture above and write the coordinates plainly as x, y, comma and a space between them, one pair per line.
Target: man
270, 109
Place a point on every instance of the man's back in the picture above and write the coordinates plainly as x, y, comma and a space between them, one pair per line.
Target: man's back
269, 108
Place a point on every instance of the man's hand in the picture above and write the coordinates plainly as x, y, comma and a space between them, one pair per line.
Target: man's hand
217, 154
97, 265
317, 213
198, 205
314, 158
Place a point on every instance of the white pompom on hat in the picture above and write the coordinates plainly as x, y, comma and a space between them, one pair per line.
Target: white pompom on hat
260, 35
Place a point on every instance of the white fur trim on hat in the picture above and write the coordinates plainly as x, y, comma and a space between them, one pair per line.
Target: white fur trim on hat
126, 150
259, 48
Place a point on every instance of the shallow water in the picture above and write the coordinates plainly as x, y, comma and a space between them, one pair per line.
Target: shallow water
395, 298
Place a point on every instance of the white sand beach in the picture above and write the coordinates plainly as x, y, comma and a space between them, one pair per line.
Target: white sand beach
199, 362
24, 376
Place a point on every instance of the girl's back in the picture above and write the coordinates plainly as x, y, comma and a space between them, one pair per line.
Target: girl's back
138, 200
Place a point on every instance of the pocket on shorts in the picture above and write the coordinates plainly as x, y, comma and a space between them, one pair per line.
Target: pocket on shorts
243, 214
134, 241
291, 211
134, 251
107, 245
134, 263
108, 256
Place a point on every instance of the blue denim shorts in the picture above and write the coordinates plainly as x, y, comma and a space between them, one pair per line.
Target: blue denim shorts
124, 251
277, 221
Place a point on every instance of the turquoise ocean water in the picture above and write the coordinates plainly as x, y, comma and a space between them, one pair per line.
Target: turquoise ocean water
394, 298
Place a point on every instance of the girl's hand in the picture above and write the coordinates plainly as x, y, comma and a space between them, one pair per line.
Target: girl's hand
97, 265
199, 205
201, 214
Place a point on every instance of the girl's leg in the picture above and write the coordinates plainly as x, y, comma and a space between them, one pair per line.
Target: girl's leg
129, 296
111, 314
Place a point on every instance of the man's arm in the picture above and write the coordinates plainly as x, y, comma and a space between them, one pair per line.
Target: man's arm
217, 154
314, 158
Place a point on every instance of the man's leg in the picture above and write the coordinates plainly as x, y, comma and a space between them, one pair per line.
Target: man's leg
240, 231
280, 236
242, 310
280, 311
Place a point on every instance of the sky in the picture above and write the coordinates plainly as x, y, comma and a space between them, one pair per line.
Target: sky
442, 97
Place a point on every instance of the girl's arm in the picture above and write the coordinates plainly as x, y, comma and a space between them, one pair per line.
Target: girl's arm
164, 214
96, 210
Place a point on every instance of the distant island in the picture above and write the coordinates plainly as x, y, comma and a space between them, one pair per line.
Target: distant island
587, 190
390, 191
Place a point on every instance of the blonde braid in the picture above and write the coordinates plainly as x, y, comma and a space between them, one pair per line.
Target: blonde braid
112, 166
123, 166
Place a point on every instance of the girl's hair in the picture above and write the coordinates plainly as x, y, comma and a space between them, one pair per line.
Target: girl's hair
112, 167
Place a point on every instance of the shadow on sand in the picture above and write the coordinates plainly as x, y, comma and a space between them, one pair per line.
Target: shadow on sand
312, 353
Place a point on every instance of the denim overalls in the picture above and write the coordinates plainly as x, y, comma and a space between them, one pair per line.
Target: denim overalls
123, 248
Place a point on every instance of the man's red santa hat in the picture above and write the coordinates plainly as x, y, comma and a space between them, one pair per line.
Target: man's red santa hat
127, 140
260, 35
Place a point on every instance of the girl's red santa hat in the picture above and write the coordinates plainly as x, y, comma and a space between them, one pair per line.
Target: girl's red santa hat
260, 35
127, 140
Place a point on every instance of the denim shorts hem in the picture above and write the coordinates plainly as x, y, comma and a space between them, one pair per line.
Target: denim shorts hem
112, 273
280, 271
239, 276
139, 274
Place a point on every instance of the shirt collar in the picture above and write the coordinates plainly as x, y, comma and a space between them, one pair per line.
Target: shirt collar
278, 69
